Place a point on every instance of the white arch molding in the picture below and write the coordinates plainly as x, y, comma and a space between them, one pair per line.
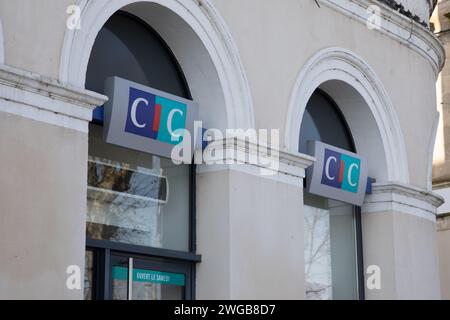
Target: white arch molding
198, 37
365, 105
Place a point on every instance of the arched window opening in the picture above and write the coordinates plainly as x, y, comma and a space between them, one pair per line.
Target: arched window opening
333, 260
139, 205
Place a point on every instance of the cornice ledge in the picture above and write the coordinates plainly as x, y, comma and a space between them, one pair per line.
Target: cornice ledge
409, 191
299, 160
75, 102
399, 27
236, 149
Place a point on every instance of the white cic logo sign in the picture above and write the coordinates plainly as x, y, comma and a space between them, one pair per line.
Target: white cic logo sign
337, 174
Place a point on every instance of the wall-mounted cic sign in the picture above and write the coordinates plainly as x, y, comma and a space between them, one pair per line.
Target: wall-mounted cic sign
146, 119
337, 174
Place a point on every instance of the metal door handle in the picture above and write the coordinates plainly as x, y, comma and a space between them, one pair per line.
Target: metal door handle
130, 278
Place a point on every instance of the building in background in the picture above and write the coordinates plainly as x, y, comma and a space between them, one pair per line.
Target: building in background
87, 183
440, 23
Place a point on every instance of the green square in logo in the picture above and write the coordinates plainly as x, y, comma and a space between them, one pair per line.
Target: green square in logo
352, 169
173, 117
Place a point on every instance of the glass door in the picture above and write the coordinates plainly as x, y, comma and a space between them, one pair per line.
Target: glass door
135, 278
331, 249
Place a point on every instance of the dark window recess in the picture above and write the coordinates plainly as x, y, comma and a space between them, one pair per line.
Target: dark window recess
323, 121
143, 57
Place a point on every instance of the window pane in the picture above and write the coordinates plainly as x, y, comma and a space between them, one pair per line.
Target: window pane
155, 291
330, 250
88, 275
143, 58
343, 251
135, 197
322, 121
147, 284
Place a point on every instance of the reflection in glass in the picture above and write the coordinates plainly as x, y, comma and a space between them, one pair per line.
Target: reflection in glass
135, 197
124, 204
317, 254
330, 226
119, 275
147, 284
330, 250
88, 275
155, 291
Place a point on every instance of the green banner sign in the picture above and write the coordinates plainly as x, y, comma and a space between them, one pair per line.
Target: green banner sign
141, 275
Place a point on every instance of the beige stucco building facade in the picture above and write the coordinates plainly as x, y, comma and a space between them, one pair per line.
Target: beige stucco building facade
441, 170
249, 64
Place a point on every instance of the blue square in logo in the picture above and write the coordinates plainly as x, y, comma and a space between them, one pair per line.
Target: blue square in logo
141, 114
331, 169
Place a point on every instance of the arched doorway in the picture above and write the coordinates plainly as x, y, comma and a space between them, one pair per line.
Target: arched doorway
139, 205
